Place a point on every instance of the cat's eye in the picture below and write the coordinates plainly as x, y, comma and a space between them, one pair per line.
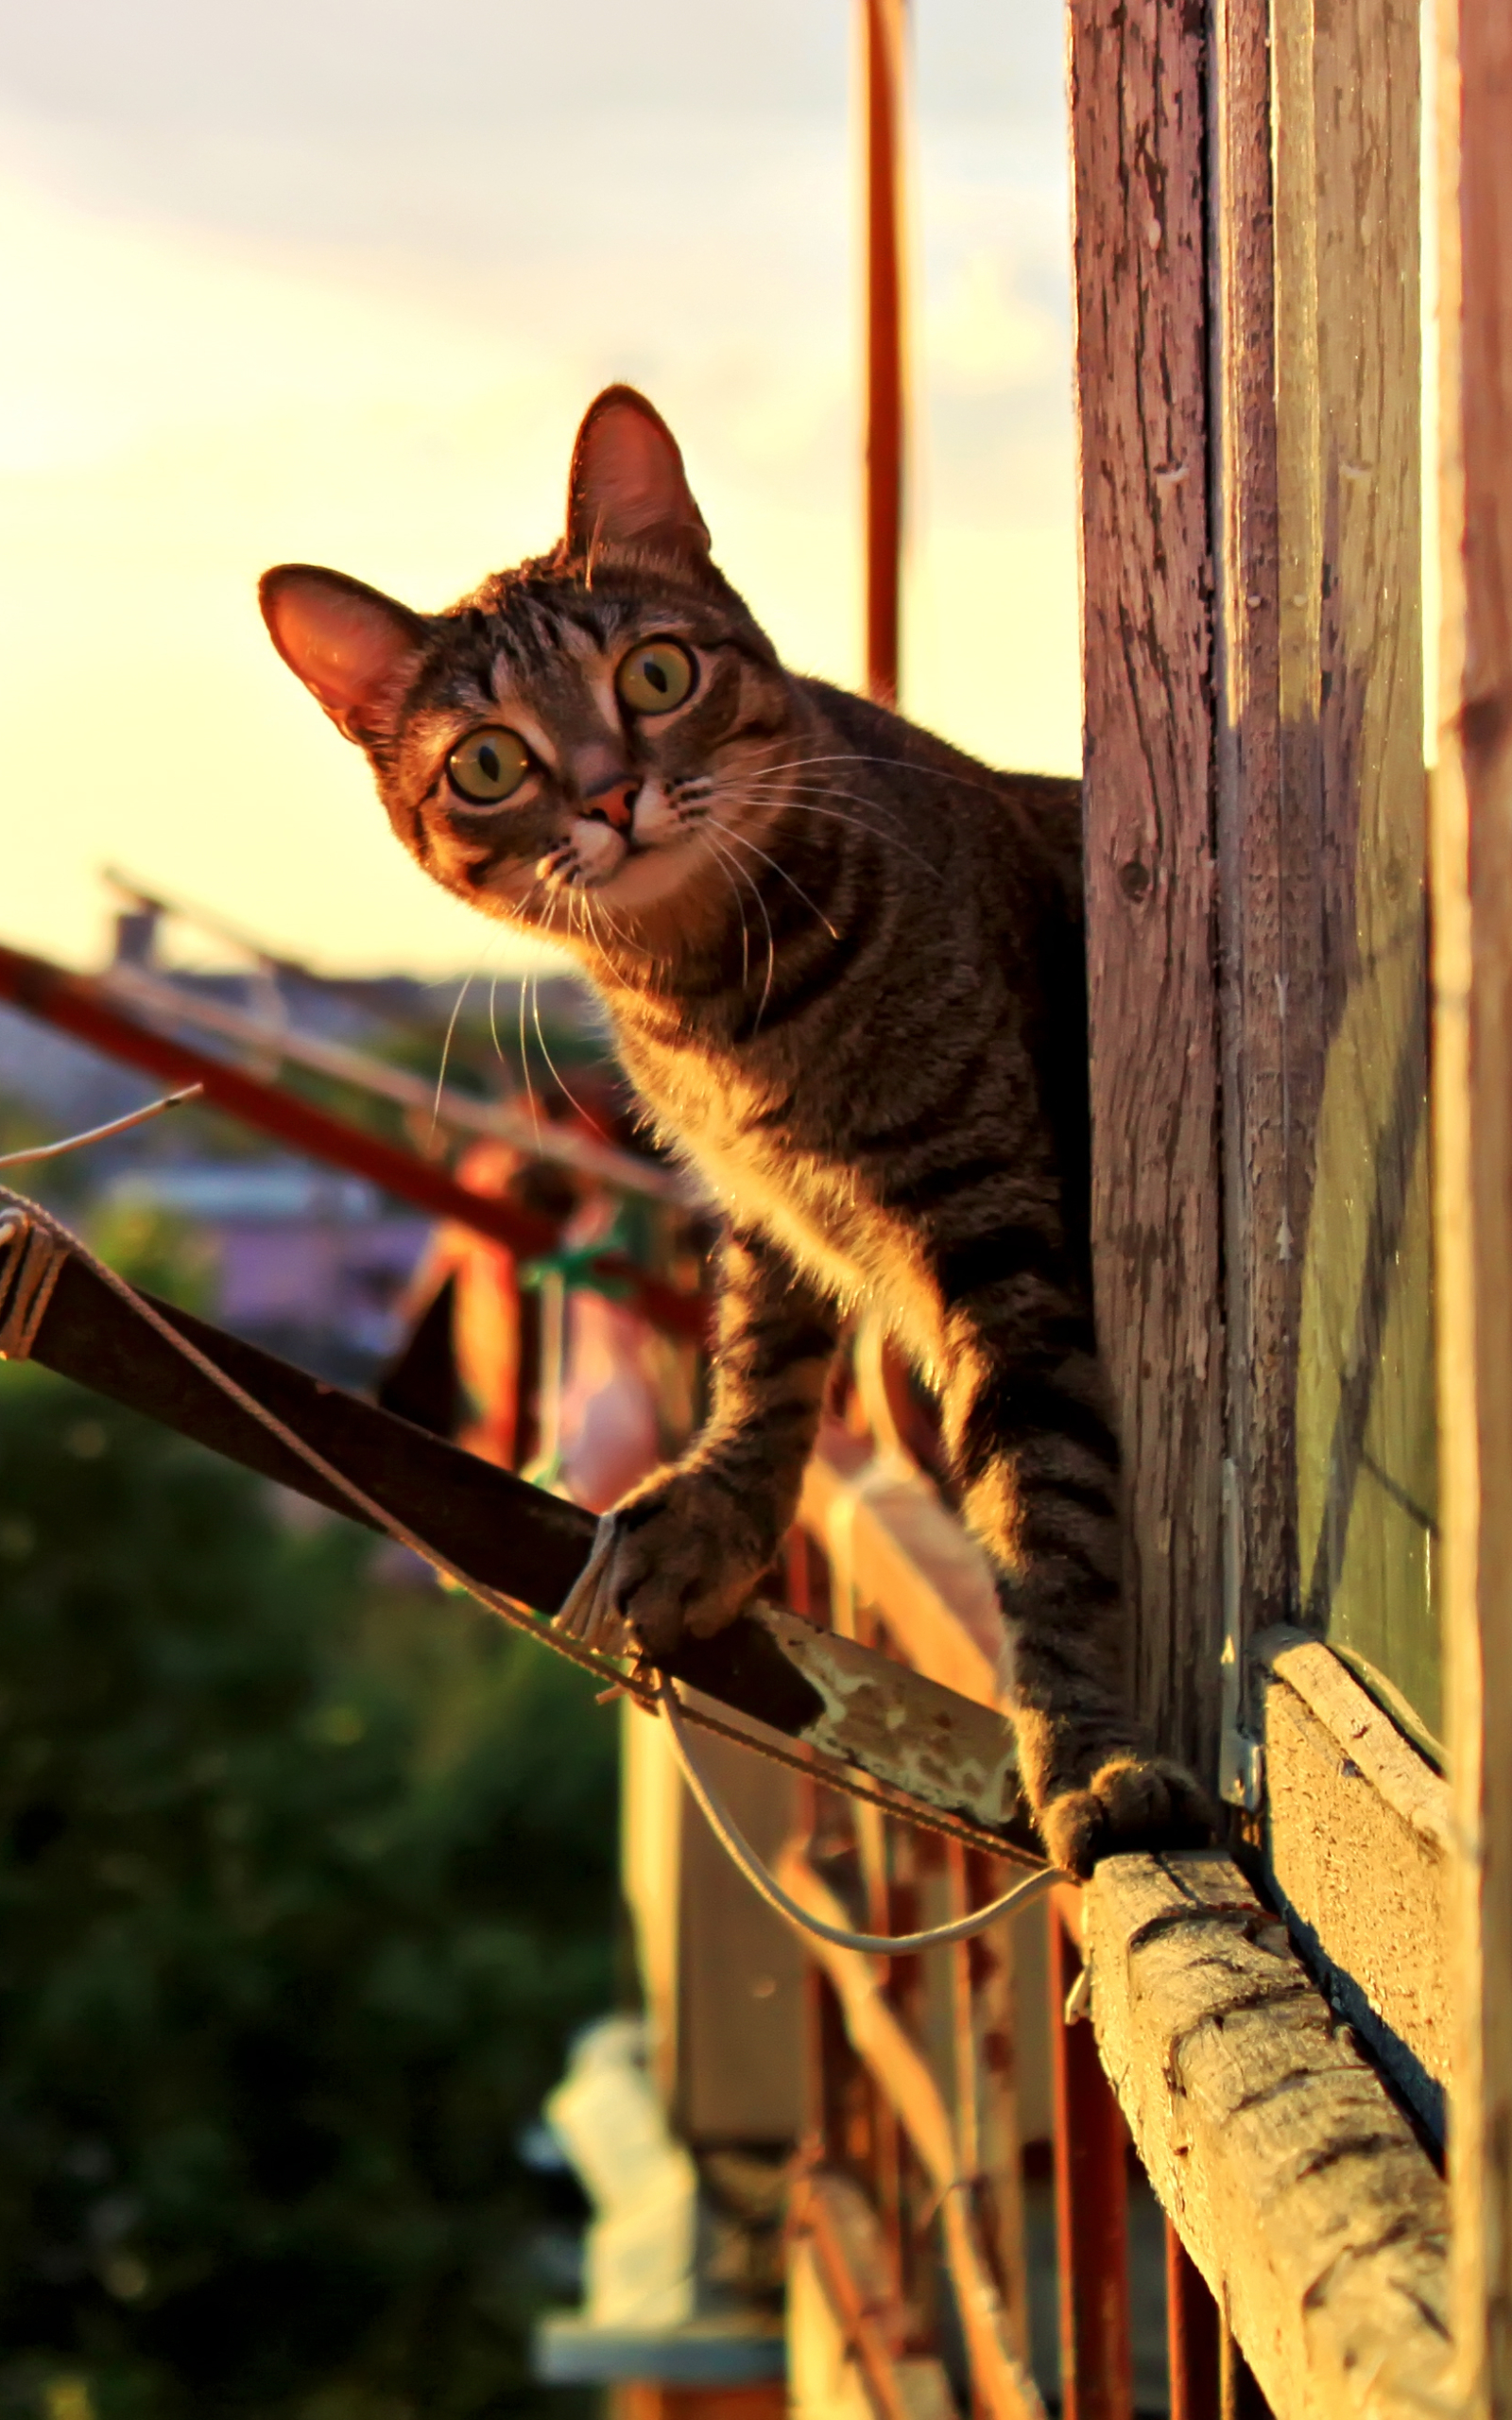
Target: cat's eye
654, 676
488, 765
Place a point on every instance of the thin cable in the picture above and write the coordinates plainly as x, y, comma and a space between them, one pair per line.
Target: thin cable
875, 1944
99, 1133
630, 1683
378, 1514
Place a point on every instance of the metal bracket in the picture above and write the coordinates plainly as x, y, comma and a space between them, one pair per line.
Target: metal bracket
1241, 1756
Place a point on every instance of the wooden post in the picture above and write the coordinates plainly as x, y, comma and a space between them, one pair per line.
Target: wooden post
1269, 865
1472, 1034
884, 29
1137, 97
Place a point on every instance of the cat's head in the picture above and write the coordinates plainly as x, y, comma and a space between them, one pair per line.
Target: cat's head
576, 746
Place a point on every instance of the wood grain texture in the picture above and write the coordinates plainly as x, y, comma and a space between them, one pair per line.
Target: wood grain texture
1360, 1845
1349, 471
1473, 1040
1269, 855
1137, 90
1296, 2185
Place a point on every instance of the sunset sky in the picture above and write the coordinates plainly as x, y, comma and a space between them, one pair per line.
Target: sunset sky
334, 280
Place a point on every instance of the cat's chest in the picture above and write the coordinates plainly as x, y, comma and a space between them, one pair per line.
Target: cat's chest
771, 1159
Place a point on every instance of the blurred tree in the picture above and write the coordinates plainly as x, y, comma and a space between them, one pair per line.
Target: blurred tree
304, 1882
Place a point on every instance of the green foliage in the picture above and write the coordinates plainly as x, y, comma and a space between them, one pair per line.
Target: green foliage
303, 1885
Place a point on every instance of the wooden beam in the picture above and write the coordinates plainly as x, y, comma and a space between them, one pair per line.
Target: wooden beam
1473, 1040
1137, 100
1298, 2186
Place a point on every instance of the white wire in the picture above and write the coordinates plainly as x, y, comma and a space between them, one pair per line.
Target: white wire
875, 1944
99, 1133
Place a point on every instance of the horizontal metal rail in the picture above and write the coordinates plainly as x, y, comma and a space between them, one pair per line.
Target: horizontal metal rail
78, 1005
804, 1687
159, 1001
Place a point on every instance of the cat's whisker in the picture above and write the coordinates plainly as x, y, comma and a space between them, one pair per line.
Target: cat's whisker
540, 1037
446, 1049
741, 841
852, 822
738, 868
854, 756
740, 910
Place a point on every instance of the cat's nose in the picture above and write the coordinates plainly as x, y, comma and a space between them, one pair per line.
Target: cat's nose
614, 798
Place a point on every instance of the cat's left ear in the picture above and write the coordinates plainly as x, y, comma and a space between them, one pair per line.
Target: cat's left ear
355, 649
628, 485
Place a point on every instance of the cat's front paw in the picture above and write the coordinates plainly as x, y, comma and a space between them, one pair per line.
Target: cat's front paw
1132, 1802
682, 1554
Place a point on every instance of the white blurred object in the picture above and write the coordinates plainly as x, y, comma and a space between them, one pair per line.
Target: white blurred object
641, 2250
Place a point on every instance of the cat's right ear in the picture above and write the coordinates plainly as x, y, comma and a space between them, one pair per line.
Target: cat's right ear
354, 648
627, 486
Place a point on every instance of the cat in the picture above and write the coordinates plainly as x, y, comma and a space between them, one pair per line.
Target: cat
845, 969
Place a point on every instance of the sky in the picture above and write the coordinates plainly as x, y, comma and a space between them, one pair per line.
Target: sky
334, 280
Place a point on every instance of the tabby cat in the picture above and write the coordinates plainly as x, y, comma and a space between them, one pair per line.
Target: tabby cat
844, 965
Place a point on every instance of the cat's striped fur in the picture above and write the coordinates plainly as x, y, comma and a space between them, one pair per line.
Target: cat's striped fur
845, 967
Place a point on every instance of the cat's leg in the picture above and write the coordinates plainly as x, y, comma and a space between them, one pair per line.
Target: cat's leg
1031, 1444
686, 1547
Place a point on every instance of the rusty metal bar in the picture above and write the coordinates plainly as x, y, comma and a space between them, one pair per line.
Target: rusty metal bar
832, 2213
1000, 2382
884, 26
1192, 2330
806, 1686
1091, 2200
272, 1043
79, 1006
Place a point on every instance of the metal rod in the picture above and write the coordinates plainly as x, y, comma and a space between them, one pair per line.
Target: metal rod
76, 1005
1192, 2330
805, 1688
155, 997
1091, 2201
885, 23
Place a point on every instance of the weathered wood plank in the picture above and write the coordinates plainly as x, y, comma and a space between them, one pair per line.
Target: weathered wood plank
1269, 864
1360, 1843
1296, 2185
1137, 92
1472, 1070
1347, 382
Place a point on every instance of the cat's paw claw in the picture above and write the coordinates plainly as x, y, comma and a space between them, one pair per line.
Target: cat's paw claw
590, 1612
671, 1559
1131, 1803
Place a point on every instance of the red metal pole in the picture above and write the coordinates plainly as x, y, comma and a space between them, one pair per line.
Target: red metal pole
1091, 2201
77, 1006
1191, 2332
884, 26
